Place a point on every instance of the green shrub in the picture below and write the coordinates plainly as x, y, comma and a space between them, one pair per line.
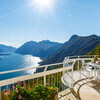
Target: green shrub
26, 92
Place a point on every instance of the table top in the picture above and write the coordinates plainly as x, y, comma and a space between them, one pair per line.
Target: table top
93, 64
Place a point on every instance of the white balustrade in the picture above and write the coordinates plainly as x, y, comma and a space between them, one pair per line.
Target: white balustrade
53, 74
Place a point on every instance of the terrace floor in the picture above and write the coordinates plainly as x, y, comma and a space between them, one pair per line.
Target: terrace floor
84, 88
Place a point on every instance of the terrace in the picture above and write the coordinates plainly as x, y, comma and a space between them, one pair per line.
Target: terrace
75, 78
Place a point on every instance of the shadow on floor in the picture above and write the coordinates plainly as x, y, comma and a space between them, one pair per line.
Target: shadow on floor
86, 81
95, 84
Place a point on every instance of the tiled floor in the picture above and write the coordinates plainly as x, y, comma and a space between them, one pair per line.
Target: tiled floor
84, 89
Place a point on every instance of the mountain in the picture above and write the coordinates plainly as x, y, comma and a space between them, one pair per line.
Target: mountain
1, 50
47, 52
95, 50
77, 45
41, 49
4, 48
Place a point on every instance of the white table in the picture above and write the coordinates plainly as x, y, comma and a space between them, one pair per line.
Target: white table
95, 66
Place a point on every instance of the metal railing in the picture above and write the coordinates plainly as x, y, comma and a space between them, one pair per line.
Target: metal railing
49, 76
78, 60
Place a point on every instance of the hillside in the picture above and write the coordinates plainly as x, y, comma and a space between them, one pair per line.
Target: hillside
77, 45
4, 48
41, 49
95, 50
1, 50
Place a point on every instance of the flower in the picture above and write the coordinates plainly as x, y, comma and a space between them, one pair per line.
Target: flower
56, 95
22, 87
4, 90
61, 95
20, 92
8, 93
19, 97
19, 82
5, 93
13, 87
57, 89
24, 84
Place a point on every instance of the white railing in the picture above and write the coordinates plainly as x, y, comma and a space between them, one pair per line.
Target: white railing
46, 76
78, 59
52, 76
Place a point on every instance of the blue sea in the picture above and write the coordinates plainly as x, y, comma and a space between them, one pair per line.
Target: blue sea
16, 61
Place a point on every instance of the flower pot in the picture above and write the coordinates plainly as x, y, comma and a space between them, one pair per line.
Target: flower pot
98, 62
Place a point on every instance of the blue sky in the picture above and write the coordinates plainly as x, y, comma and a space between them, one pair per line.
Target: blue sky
55, 20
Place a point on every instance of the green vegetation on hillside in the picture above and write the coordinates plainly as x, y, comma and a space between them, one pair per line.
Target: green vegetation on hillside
95, 50
77, 45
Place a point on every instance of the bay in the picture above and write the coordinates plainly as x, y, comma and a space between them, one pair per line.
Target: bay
15, 61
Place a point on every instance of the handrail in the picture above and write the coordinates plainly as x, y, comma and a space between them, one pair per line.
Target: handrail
27, 77
81, 56
46, 72
5, 72
76, 58
64, 82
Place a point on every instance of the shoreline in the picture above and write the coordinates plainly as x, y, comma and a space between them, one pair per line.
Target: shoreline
4, 54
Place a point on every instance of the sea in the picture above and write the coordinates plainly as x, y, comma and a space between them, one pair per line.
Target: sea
14, 61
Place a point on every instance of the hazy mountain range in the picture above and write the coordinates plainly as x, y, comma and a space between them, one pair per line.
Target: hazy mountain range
4, 48
77, 45
52, 52
41, 49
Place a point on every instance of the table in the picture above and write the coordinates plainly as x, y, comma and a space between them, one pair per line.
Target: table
95, 66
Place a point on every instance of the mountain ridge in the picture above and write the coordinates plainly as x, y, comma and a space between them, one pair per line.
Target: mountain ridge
52, 52
79, 45
38, 48
5, 48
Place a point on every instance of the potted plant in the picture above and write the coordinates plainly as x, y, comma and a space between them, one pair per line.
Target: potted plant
99, 62
95, 59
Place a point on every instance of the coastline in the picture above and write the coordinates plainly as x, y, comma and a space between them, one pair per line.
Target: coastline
4, 54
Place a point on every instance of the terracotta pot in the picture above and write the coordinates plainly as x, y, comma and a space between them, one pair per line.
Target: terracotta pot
99, 62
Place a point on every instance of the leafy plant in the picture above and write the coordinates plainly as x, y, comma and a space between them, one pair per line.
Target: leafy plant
26, 92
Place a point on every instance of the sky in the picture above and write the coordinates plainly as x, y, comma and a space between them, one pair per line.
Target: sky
55, 20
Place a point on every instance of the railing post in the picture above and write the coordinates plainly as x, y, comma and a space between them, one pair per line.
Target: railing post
63, 67
72, 77
0, 93
65, 60
45, 81
45, 76
78, 63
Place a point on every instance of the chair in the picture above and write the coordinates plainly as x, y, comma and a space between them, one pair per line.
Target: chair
87, 68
